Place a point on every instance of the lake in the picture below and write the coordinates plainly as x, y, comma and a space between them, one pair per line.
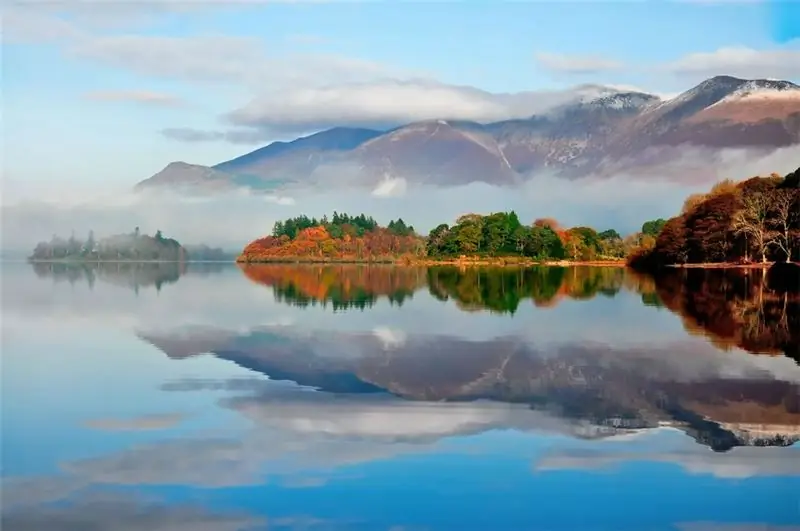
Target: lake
207, 397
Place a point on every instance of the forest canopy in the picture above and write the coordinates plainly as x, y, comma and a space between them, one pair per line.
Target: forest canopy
342, 237
756, 220
345, 237
502, 234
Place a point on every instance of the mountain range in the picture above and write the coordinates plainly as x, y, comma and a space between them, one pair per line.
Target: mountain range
602, 132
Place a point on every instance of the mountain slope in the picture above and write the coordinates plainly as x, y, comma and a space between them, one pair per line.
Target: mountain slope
298, 155
723, 112
182, 175
602, 132
436, 152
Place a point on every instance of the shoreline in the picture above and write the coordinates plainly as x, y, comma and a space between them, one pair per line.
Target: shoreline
426, 262
88, 262
728, 265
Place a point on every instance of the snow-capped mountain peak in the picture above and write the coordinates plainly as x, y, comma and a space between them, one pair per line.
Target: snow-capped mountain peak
764, 89
625, 100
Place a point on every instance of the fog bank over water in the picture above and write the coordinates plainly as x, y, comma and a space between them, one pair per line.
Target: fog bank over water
234, 218
33, 212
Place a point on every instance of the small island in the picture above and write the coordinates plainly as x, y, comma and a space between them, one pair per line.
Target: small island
131, 247
135, 247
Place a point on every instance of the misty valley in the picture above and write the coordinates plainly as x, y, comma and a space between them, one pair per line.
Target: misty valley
215, 395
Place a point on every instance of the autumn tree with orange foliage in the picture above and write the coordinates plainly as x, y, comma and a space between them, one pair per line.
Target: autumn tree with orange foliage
758, 218
343, 238
342, 285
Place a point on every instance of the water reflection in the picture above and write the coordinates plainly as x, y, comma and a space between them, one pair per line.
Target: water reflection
469, 391
734, 308
598, 385
134, 275
603, 385
343, 286
499, 289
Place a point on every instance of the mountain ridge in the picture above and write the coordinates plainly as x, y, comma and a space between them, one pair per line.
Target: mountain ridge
601, 131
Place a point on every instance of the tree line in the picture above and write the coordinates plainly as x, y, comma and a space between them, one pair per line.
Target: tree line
503, 234
130, 247
500, 234
341, 237
338, 226
756, 220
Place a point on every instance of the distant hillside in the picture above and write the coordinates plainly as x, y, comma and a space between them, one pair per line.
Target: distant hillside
604, 132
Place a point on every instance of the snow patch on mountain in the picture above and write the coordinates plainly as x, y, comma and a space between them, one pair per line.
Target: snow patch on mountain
625, 100
764, 90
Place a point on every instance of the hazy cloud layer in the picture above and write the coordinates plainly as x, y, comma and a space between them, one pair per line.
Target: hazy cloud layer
27, 506
143, 97
315, 89
242, 136
127, 516
390, 102
304, 439
741, 462
143, 423
33, 214
242, 217
296, 432
740, 61
185, 134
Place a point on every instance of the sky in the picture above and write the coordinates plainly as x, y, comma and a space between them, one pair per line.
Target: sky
103, 94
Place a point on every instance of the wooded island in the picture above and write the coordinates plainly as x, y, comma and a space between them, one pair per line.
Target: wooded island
500, 235
757, 220
131, 247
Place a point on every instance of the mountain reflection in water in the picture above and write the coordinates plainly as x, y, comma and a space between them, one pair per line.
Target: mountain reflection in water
218, 397
598, 384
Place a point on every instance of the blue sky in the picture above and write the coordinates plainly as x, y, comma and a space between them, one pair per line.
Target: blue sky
109, 93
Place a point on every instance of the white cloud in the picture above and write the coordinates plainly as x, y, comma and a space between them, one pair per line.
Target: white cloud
140, 96
26, 507
188, 134
389, 102
390, 337
244, 136
741, 462
212, 58
739, 61
307, 91
576, 64
29, 25
390, 187
160, 421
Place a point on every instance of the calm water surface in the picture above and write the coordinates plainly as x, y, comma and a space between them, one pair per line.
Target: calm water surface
336, 398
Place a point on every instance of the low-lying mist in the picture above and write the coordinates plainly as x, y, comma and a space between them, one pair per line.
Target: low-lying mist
233, 218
